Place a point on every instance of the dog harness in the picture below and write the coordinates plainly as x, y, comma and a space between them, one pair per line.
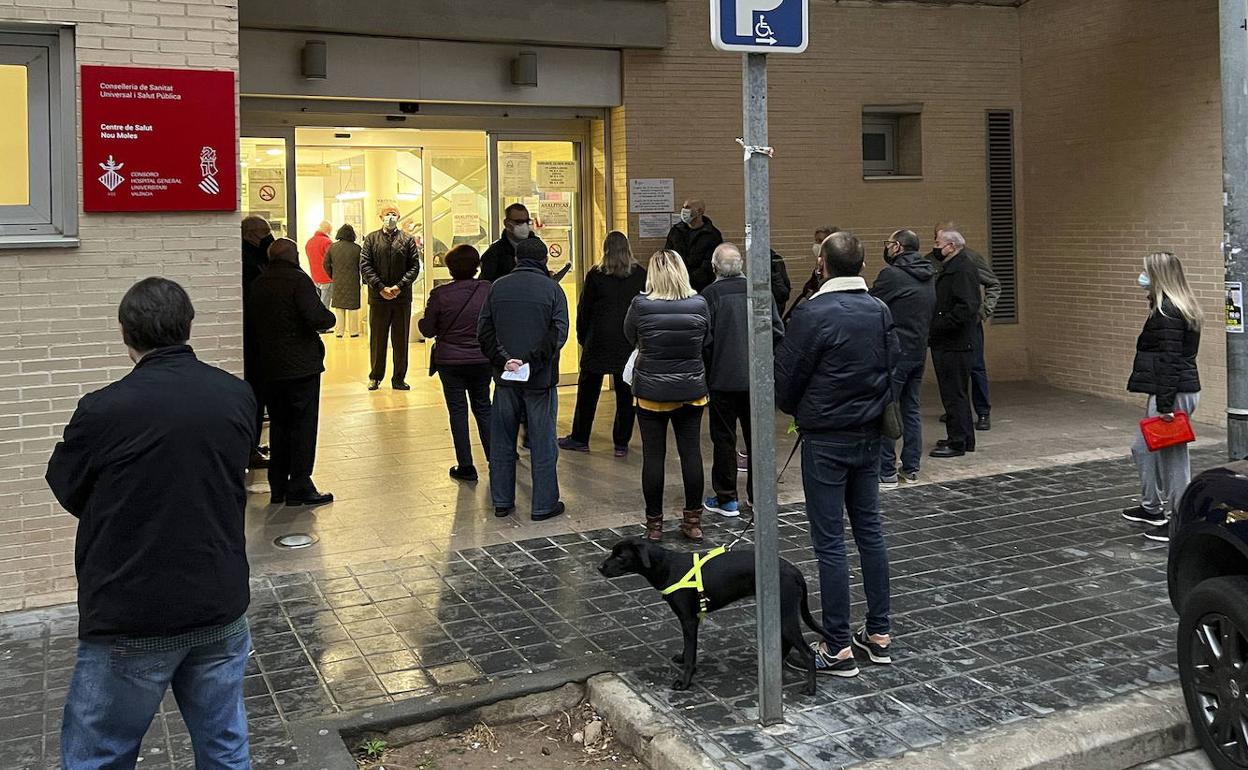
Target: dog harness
693, 578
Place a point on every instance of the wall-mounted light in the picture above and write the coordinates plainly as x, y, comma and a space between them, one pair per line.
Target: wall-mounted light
315, 64
524, 69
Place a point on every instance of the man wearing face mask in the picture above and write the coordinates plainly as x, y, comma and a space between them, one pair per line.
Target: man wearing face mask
389, 264
257, 237
500, 258
694, 238
906, 286
816, 276
952, 340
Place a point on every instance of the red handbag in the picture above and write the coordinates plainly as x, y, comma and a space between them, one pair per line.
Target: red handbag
1159, 434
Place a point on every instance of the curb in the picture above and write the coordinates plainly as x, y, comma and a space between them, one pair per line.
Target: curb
653, 738
1120, 733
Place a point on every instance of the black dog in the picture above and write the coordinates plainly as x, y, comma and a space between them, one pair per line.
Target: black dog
725, 579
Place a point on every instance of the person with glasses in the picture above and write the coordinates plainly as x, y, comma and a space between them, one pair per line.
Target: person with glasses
500, 258
952, 341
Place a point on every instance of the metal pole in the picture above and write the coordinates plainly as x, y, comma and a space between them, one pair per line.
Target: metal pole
762, 387
1234, 48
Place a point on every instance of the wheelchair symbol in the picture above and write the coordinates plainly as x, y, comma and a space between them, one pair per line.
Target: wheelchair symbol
763, 32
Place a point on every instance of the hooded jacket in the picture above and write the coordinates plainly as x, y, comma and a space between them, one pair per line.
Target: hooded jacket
908, 287
695, 248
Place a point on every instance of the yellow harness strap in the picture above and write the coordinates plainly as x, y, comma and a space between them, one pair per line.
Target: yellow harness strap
693, 578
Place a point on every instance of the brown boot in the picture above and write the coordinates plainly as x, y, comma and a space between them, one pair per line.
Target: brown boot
654, 528
691, 525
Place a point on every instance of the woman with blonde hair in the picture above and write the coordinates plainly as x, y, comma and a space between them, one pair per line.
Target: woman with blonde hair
669, 324
609, 288
1165, 369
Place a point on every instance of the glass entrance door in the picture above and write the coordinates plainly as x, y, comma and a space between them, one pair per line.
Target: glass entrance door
545, 175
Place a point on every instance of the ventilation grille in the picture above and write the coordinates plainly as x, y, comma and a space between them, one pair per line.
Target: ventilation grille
1002, 227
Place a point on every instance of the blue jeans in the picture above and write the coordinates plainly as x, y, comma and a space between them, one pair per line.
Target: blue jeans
841, 471
540, 408
907, 386
115, 693
979, 374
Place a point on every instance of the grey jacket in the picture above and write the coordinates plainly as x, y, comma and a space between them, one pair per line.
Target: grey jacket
727, 346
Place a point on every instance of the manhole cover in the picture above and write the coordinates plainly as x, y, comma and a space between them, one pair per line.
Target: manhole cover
295, 540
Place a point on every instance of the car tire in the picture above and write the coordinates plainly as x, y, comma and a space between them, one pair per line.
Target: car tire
1213, 666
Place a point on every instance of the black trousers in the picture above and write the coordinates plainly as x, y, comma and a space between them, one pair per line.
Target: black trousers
953, 375
258, 391
294, 411
727, 409
588, 389
687, 425
390, 319
461, 384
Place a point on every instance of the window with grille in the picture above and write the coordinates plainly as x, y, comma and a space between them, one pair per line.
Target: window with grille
1002, 224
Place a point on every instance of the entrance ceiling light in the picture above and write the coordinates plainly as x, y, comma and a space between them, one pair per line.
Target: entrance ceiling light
351, 195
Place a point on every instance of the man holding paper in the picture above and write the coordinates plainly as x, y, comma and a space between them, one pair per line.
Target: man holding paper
522, 328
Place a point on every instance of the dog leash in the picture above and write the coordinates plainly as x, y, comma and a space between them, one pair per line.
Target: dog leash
750, 524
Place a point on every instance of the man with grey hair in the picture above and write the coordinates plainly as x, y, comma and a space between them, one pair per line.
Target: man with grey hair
727, 354
951, 340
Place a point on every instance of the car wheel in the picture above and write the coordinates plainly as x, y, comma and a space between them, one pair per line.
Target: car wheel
1213, 665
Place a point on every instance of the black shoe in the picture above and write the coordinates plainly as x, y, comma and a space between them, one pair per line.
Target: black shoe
374, 384
556, 511
500, 510
1159, 533
277, 498
257, 461
944, 444
946, 451
984, 423
467, 473
400, 385
310, 499
877, 653
944, 418
1138, 514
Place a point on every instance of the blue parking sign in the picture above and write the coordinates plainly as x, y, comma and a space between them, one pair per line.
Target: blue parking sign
760, 26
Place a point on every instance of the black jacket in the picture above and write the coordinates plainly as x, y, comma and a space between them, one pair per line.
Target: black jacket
781, 286
987, 279
695, 248
153, 467
957, 305
255, 260
389, 259
669, 336
1165, 358
727, 347
500, 258
526, 318
832, 370
906, 286
286, 316
600, 319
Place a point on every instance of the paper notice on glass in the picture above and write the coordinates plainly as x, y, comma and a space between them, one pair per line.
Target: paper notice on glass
555, 213
651, 196
556, 175
519, 375
517, 174
653, 225
466, 218
559, 250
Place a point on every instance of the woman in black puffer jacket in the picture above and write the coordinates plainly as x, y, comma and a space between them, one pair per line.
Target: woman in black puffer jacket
669, 325
1165, 369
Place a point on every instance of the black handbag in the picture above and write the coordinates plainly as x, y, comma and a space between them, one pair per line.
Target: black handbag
433, 349
890, 421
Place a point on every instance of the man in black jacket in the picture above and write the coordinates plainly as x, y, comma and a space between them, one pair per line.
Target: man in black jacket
389, 265
257, 236
288, 317
906, 286
832, 375
500, 258
694, 238
952, 340
727, 354
522, 328
153, 468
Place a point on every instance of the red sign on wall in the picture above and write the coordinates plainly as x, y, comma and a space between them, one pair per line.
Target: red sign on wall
158, 140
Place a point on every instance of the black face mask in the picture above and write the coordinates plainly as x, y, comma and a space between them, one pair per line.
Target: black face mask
267, 241
888, 260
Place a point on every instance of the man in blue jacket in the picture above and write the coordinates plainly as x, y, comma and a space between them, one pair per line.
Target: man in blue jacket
832, 375
522, 327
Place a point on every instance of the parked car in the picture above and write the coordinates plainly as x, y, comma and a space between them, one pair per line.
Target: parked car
1208, 575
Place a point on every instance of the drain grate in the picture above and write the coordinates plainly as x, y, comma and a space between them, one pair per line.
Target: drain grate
295, 540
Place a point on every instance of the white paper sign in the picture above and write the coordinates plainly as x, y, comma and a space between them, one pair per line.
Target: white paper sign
520, 375
555, 213
466, 218
517, 173
653, 225
556, 175
651, 196
560, 252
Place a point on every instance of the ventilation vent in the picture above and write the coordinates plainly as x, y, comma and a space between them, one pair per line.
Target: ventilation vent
1002, 226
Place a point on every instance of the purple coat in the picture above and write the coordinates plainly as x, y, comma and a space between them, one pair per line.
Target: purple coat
451, 318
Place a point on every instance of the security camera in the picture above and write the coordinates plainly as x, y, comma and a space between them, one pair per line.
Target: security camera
409, 108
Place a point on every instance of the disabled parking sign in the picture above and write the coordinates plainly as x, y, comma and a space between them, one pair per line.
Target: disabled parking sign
760, 26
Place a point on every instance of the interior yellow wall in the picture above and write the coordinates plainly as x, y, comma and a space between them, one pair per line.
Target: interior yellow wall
14, 189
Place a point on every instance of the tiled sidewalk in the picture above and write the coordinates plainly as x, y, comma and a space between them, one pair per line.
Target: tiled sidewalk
1013, 596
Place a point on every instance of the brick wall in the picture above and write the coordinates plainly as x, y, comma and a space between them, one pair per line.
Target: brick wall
59, 307
1123, 157
684, 113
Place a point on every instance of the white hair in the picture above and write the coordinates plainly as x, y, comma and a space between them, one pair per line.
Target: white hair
727, 261
954, 238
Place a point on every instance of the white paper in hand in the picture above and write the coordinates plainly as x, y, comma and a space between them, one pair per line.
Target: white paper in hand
520, 375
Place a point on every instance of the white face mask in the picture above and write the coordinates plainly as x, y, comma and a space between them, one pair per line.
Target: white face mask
815, 248
1143, 281
686, 216
390, 220
520, 232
